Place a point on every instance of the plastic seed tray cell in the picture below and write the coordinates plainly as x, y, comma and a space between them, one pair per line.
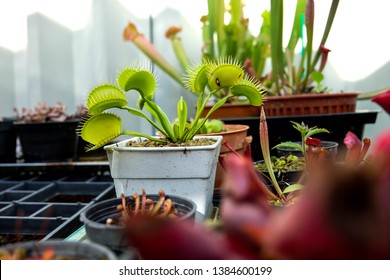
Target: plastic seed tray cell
45, 205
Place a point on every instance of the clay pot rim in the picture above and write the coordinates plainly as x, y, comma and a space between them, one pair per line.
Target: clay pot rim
231, 128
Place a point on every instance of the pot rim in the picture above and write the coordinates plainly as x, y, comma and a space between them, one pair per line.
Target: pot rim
328, 144
111, 203
70, 121
61, 245
121, 146
234, 128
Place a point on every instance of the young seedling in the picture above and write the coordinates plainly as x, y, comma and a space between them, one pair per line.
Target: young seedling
144, 207
306, 139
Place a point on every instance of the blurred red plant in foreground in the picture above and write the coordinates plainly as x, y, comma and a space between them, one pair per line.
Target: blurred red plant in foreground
343, 213
383, 100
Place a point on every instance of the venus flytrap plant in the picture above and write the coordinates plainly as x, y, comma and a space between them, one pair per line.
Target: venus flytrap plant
101, 127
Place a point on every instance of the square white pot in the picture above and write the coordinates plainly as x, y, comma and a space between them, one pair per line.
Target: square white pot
182, 171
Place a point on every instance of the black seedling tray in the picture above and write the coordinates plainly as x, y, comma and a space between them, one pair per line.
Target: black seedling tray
43, 203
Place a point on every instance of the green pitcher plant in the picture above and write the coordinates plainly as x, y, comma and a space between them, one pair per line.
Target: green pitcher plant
204, 79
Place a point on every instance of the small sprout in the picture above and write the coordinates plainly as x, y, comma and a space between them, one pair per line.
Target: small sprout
143, 203
167, 207
159, 203
136, 209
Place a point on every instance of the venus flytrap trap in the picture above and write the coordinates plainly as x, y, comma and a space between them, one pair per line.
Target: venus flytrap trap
205, 80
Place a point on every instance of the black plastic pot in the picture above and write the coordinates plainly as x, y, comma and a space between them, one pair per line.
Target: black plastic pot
49, 141
95, 155
113, 236
288, 177
69, 250
281, 130
329, 147
7, 141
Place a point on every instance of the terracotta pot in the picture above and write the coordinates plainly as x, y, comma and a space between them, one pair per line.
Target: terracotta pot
299, 104
235, 135
310, 104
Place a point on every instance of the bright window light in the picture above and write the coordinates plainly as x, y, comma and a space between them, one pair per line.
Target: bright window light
73, 14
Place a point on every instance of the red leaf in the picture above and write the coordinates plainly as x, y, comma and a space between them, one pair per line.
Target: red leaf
383, 100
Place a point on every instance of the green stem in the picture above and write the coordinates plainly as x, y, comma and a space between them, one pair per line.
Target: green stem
180, 52
138, 134
264, 142
142, 43
215, 107
211, 28
329, 23
199, 110
220, 24
162, 118
309, 23
277, 43
139, 113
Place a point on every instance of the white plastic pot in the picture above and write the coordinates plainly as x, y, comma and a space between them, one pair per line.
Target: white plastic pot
183, 171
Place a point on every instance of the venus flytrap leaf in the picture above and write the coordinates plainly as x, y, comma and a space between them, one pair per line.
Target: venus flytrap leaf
225, 73
131, 79
250, 89
214, 126
163, 119
139, 113
197, 78
198, 125
142, 81
100, 129
199, 109
125, 76
143, 135
182, 116
104, 97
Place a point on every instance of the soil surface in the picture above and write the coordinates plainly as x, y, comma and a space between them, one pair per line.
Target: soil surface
8, 238
190, 143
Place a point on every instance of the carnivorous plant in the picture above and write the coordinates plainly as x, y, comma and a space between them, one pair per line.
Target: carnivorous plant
204, 79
